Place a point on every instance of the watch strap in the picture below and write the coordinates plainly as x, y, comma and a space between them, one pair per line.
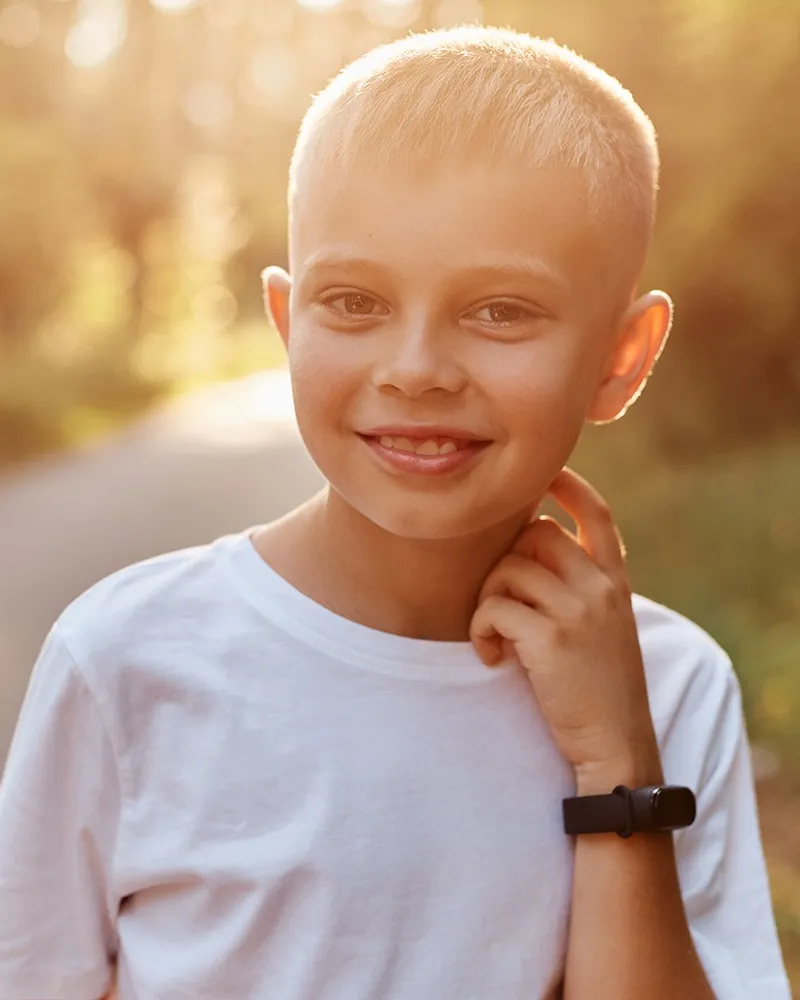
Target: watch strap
599, 813
649, 809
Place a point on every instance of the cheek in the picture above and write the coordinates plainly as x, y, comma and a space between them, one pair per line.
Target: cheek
323, 379
541, 406
540, 403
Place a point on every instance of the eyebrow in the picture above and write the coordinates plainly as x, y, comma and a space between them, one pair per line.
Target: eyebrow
518, 266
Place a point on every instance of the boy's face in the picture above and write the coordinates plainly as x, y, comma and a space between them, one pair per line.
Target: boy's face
475, 299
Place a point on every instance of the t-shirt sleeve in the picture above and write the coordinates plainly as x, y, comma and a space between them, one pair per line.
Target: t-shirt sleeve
59, 806
721, 862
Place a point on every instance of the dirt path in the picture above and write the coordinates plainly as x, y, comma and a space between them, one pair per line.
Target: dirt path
215, 462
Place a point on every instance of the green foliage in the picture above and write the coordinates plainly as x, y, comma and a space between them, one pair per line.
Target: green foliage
719, 542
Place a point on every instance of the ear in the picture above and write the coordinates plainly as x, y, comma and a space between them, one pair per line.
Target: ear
277, 288
644, 330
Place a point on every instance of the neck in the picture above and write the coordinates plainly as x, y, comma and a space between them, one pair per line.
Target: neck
421, 588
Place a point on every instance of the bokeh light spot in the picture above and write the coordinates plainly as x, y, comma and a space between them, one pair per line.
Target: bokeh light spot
320, 4
206, 104
97, 34
272, 73
174, 6
214, 307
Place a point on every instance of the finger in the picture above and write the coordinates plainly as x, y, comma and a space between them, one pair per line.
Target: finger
498, 618
551, 544
598, 535
529, 581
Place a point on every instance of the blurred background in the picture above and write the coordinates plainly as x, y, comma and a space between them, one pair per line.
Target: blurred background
144, 149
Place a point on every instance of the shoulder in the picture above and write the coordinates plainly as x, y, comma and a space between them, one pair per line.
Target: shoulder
697, 710
153, 633
148, 602
680, 657
695, 697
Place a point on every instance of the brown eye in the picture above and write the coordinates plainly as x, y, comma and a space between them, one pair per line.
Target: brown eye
501, 313
505, 312
354, 305
358, 305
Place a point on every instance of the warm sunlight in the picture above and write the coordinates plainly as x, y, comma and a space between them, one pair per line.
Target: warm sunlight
320, 4
174, 6
146, 405
240, 414
98, 32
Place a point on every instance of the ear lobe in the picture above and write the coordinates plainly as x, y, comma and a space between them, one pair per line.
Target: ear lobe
277, 286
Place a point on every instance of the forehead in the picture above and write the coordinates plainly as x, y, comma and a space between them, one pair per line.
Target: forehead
424, 226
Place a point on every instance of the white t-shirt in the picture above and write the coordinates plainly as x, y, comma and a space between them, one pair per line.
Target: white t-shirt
236, 793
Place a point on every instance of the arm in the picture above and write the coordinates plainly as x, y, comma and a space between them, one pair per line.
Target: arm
718, 861
629, 936
59, 809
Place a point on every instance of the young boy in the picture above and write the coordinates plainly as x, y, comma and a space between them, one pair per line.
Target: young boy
326, 757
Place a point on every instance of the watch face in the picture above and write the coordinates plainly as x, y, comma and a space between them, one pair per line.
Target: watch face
673, 808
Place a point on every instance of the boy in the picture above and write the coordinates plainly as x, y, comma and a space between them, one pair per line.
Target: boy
326, 757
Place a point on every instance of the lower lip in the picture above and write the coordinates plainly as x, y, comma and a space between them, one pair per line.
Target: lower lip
425, 465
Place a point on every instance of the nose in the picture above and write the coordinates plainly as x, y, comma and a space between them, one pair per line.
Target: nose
417, 361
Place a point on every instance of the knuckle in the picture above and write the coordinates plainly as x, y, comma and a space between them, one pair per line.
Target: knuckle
491, 605
577, 615
559, 629
607, 590
581, 612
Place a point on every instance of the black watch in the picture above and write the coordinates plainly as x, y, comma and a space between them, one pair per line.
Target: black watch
653, 809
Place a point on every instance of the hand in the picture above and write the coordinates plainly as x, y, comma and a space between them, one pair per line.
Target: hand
562, 606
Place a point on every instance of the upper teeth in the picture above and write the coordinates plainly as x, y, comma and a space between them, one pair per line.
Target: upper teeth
429, 447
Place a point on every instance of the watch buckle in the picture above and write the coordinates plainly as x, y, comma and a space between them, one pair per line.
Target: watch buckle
625, 793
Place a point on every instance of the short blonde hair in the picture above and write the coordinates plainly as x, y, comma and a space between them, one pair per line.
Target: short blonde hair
491, 92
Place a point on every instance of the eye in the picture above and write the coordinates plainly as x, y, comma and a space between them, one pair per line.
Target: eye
502, 313
355, 304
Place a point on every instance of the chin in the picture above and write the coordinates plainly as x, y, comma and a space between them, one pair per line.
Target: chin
418, 527
432, 518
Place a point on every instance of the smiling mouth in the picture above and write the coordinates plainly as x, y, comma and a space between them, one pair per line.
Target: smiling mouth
428, 457
437, 445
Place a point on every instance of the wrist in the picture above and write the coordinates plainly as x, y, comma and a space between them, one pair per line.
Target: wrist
634, 769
